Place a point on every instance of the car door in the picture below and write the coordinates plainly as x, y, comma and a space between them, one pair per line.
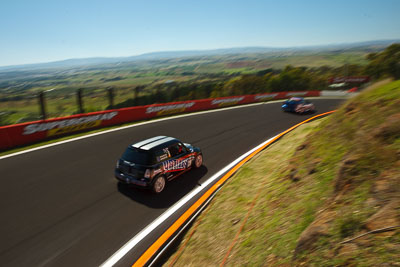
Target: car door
179, 161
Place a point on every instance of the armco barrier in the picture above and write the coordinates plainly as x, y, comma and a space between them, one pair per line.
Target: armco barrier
31, 132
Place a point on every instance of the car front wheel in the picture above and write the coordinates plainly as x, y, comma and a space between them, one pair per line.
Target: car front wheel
198, 161
159, 184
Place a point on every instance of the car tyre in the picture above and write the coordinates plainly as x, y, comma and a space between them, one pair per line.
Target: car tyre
198, 161
159, 184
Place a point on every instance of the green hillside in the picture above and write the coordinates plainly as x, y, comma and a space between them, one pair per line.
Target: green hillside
327, 194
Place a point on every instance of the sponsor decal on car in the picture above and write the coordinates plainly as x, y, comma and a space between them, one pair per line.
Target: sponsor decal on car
169, 109
68, 125
227, 101
304, 108
177, 164
157, 171
162, 157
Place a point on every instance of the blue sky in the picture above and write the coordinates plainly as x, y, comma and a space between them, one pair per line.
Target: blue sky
34, 31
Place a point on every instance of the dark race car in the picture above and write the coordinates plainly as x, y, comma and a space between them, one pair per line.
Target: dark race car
298, 105
152, 162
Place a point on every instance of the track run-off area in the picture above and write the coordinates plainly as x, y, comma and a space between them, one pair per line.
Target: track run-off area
62, 206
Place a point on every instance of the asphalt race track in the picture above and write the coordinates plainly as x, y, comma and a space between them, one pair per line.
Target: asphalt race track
61, 206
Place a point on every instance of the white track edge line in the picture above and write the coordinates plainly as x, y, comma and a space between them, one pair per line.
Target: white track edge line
119, 254
202, 207
148, 122
130, 126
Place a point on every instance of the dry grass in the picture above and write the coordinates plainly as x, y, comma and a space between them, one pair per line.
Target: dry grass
313, 194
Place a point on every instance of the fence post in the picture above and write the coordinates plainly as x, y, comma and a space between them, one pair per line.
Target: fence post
42, 105
111, 97
137, 90
79, 100
135, 95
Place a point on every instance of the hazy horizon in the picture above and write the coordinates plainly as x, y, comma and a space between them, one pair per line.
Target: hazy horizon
44, 31
298, 48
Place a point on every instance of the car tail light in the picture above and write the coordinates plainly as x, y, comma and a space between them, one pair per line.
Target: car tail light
148, 173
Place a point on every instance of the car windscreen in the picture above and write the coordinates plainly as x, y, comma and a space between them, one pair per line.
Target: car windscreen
138, 156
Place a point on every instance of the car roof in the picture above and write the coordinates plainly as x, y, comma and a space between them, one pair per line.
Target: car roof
155, 143
296, 99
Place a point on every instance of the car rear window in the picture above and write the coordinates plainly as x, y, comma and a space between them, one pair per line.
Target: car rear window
138, 156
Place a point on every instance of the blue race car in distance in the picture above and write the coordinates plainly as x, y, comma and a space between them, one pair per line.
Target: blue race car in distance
298, 105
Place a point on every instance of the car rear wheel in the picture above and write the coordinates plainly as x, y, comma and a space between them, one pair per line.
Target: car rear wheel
198, 161
159, 184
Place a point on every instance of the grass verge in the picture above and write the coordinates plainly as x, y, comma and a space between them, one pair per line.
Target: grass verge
324, 183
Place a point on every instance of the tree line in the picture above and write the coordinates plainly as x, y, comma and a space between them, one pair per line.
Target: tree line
381, 65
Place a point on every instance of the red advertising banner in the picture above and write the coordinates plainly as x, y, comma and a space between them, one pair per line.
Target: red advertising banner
31, 132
